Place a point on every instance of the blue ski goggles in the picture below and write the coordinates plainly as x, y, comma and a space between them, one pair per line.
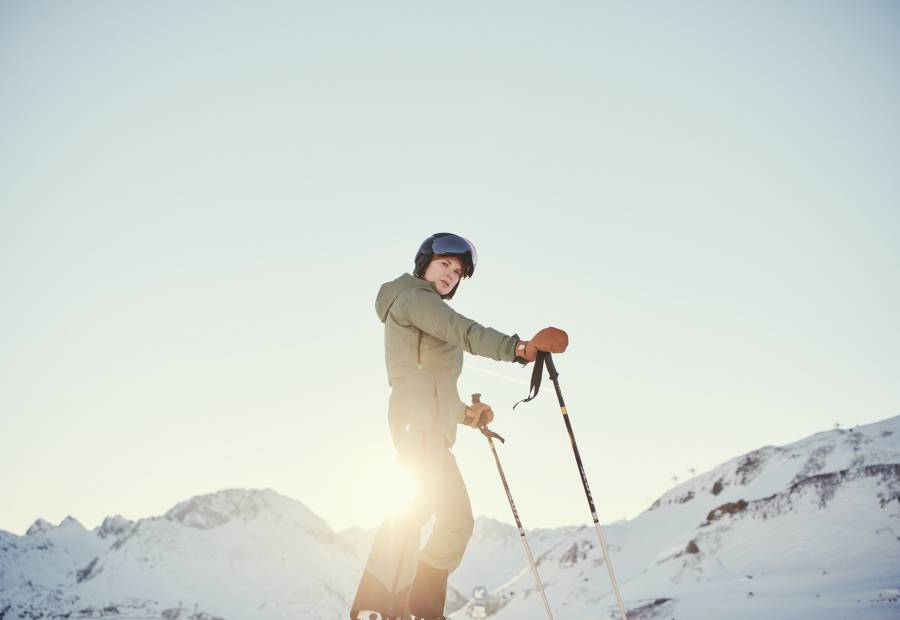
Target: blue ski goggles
454, 245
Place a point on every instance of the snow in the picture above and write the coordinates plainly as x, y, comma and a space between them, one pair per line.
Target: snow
39, 526
811, 529
820, 535
114, 526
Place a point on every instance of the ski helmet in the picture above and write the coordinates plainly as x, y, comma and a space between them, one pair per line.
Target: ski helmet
446, 244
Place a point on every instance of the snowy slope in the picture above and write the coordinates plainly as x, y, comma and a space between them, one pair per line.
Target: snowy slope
811, 529
39, 568
231, 554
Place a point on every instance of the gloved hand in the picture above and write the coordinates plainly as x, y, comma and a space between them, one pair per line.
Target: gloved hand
549, 339
478, 414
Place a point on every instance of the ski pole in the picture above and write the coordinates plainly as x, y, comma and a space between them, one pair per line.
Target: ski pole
476, 398
554, 377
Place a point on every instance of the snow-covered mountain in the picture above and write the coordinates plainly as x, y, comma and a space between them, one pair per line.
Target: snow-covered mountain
232, 554
808, 530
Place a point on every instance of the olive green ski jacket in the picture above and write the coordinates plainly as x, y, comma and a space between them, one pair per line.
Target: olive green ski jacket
424, 340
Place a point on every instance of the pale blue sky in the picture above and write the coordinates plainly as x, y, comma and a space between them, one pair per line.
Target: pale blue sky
200, 201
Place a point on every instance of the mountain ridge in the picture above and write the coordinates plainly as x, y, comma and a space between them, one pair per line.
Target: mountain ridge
811, 526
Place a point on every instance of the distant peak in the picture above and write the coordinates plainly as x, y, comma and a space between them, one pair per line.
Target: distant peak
491, 528
71, 521
114, 526
39, 526
215, 509
488, 521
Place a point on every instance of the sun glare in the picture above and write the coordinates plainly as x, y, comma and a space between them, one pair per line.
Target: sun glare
386, 488
399, 490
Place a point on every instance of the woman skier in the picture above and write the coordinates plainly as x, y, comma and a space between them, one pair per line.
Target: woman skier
424, 340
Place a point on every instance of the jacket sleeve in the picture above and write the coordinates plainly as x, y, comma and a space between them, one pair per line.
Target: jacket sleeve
427, 311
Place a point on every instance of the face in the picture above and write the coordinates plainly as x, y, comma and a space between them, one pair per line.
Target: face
445, 272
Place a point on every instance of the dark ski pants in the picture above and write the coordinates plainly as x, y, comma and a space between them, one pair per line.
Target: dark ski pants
441, 492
